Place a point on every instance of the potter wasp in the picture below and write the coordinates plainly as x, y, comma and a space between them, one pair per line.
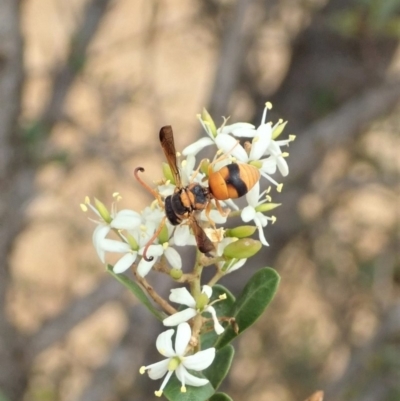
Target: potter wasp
231, 181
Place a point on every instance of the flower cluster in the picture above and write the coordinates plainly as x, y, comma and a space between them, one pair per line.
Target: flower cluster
150, 237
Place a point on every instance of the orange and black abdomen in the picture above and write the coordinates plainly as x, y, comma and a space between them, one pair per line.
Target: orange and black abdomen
233, 181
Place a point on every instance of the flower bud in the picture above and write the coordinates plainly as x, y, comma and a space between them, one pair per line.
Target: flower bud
266, 207
205, 116
104, 213
256, 163
202, 301
163, 236
242, 249
168, 173
241, 231
204, 166
176, 274
132, 242
278, 129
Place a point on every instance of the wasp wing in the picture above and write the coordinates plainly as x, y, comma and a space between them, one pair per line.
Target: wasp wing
203, 242
168, 145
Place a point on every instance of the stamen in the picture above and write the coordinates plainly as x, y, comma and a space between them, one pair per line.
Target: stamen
285, 154
158, 393
292, 138
83, 207
87, 200
142, 370
268, 105
273, 219
279, 187
183, 389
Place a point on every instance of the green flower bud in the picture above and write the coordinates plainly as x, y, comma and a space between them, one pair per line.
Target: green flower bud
168, 173
205, 116
242, 249
204, 166
256, 163
266, 207
163, 236
176, 274
132, 242
202, 301
278, 130
240, 232
104, 213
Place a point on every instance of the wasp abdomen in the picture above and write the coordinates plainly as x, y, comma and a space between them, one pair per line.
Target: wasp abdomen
233, 181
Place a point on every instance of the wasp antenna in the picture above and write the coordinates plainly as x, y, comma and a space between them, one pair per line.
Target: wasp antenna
145, 186
151, 240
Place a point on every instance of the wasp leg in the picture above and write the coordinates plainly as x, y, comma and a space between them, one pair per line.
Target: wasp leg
192, 177
152, 239
220, 158
144, 185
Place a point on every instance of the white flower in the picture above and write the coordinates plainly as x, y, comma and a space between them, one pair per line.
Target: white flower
183, 296
177, 361
250, 212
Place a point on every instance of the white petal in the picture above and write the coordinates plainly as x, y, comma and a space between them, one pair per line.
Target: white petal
182, 296
125, 263
144, 266
182, 236
283, 166
269, 165
183, 334
231, 204
126, 220
111, 245
173, 258
217, 327
179, 317
99, 234
164, 343
261, 232
158, 369
239, 129
207, 290
186, 378
201, 360
260, 142
236, 265
230, 145
253, 195
195, 147
248, 213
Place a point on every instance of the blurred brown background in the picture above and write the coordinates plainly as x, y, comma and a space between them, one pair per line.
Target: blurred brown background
85, 86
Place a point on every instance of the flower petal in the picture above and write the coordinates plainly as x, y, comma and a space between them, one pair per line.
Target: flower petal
182, 296
183, 334
197, 146
186, 378
261, 142
173, 258
201, 360
231, 146
126, 220
248, 213
183, 237
164, 343
253, 195
111, 245
158, 369
99, 234
125, 262
207, 290
180, 317
217, 326
235, 266
239, 129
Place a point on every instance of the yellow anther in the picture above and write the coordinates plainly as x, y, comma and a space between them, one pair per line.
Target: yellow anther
273, 219
279, 187
222, 296
165, 245
280, 121
83, 207
268, 198
285, 154
87, 200
178, 154
268, 105
115, 194
142, 370
184, 162
292, 137
183, 389
268, 190
158, 393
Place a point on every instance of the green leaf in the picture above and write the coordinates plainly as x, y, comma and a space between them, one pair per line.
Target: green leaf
251, 303
173, 391
138, 292
218, 370
220, 397
222, 308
